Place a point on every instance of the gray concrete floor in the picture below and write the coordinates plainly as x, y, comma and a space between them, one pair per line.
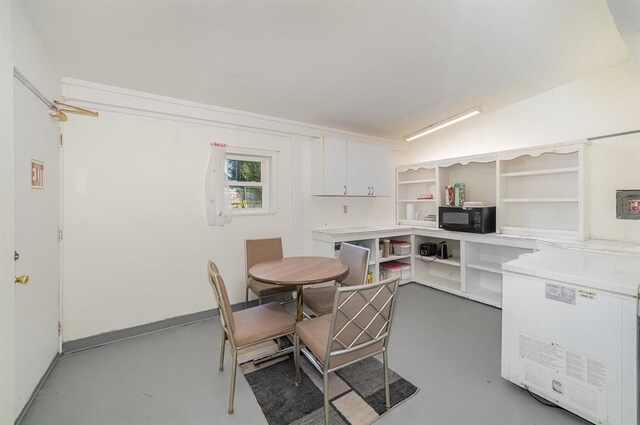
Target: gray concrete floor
446, 345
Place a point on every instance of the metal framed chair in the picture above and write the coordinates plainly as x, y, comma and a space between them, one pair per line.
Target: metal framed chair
247, 327
320, 300
358, 327
257, 251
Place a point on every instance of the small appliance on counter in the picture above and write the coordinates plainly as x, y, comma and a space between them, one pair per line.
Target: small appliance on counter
443, 252
428, 249
468, 219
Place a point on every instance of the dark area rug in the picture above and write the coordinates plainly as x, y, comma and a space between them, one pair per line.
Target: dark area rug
356, 392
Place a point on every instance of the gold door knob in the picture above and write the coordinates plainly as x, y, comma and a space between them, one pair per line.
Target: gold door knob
23, 279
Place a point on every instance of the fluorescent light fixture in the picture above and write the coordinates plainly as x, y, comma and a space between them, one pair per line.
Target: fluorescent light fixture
445, 123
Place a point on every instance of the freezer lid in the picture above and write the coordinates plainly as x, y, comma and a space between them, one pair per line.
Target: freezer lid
612, 273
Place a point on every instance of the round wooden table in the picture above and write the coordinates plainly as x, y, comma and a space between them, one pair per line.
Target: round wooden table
298, 272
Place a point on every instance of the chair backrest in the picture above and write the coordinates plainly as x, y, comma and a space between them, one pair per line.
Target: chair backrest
361, 321
357, 258
222, 298
259, 250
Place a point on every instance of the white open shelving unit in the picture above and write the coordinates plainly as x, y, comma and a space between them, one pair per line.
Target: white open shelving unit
327, 243
541, 193
474, 269
538, 192
413, 186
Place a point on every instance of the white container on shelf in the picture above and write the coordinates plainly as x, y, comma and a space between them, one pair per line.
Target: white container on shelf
411, 211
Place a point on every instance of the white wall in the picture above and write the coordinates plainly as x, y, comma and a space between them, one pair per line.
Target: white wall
600, 104
605, 103
31, 57
7, 295
136, 239
614, 165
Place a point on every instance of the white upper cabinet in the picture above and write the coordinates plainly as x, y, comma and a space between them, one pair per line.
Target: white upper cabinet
381, 171
342, 167
358, 165
329, 167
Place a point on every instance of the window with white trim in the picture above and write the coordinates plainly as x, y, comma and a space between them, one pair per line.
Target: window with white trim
249, 183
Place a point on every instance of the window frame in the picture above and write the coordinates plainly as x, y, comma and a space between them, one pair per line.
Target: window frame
267, 183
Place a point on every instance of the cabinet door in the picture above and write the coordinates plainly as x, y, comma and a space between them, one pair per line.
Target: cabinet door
334, 166
380, 172
358, 165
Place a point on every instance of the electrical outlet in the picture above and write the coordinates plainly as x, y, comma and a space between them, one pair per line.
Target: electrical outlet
344, 209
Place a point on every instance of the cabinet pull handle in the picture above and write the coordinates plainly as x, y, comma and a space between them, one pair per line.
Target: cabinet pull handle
345, 190
369, 190
373, 190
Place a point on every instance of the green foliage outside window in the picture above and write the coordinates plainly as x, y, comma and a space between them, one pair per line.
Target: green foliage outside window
244, 171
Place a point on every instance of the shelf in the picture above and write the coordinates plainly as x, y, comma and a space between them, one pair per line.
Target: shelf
538, 231
486, 266
422, 223
448, 285
418, 181
438, 260
541, 172
539, 200
416, 200
393, 258
486, 296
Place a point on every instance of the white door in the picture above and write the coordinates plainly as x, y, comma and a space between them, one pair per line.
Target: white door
37, 216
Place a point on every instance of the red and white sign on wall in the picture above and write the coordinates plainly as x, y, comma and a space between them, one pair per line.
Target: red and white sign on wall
37, 174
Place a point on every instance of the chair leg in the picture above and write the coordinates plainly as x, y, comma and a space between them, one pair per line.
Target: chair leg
296, 358
234, 366
387, 398
325, 388
224, 339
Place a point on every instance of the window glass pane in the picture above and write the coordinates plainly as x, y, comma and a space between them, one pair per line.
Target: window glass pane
246, 197
244, 171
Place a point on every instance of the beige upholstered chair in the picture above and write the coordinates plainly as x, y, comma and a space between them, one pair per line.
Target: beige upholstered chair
246, 327
258, 251
320, 300
358, 328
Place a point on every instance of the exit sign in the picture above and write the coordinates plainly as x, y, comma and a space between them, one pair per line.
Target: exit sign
37, 174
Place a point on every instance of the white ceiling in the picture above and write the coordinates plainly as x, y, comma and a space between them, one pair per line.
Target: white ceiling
383, 68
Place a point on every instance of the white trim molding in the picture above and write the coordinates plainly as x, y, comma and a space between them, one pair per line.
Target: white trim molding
116, 99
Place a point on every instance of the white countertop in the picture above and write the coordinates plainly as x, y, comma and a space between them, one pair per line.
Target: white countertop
366, 229
618, 274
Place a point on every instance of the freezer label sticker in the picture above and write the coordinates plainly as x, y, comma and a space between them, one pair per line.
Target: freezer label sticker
586, 294
574, 377
560, 293
563, 360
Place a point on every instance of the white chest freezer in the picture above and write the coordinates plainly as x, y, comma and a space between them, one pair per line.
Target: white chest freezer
569, 331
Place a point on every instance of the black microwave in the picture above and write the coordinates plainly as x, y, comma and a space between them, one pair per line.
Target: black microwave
471, 219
